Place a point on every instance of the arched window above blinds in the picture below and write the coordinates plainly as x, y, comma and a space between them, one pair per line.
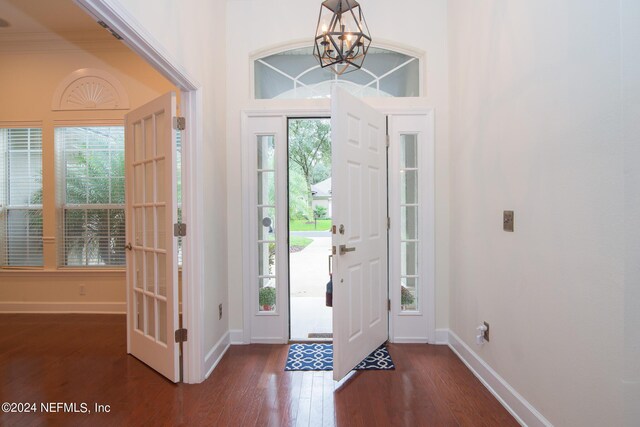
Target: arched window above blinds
296, 74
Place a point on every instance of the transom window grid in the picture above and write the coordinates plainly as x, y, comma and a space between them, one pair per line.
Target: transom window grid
295, 74
409, 214
91, 192
21, 197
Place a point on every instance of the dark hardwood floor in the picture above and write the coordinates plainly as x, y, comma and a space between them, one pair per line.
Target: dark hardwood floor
82, 358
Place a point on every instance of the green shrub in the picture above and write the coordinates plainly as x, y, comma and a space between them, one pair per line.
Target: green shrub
406, 297
267, 296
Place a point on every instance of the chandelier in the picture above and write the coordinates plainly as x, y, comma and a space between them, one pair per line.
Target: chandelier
342, 36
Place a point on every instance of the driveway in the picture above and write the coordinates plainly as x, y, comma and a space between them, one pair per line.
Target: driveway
309, 268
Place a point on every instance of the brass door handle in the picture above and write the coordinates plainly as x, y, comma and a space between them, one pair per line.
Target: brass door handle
344, 249
128, 246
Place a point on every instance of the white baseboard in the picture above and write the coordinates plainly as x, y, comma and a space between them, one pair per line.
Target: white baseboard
517, 405
442, 336
237, 336
214, 355
64, 307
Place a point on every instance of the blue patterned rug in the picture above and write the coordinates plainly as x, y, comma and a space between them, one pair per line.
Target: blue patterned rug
319, 357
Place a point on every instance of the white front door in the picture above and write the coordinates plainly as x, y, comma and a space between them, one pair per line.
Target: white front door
152, 274
359, 161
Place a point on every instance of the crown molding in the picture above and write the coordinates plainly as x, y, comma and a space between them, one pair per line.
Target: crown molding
47, 42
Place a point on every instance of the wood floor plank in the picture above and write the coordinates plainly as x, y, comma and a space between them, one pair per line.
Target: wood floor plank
82, 358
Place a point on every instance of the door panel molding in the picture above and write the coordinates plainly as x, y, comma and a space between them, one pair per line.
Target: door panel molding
358, 133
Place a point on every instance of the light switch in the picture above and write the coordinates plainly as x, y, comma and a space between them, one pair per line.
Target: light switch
507, 221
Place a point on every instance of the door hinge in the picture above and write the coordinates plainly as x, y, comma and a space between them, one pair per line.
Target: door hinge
388, 305
181, 335
180, 229
388, 223
179, 123
387, 140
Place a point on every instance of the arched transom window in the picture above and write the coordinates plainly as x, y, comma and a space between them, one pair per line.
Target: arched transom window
296, 74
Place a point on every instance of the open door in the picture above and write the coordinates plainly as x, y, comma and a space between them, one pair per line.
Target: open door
359, 162
152, 276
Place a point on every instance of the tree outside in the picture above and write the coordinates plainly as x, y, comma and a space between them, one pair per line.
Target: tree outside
309, 163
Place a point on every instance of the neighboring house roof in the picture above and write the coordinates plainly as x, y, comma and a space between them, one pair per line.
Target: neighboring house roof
322, 189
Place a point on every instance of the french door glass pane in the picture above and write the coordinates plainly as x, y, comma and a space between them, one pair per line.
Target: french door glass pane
160, 194
139, 311
151, 316
150, 270
162, 321
162, 274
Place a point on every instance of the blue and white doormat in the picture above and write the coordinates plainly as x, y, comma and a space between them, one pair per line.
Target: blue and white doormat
319, 357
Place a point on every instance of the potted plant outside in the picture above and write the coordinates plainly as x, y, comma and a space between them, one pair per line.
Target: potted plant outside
406, 297
267, 298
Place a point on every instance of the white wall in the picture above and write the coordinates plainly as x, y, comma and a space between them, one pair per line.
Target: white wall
536, 127
193, 32
254, 25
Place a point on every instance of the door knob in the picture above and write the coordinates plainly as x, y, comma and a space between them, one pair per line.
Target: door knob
344, 249
128, 246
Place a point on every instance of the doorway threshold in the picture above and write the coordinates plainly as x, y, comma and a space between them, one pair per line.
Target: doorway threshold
311, 340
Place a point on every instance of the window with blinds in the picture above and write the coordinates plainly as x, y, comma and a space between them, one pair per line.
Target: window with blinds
91, 196
21, 197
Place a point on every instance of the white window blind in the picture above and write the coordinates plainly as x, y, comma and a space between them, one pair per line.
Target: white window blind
91, 193
21, 197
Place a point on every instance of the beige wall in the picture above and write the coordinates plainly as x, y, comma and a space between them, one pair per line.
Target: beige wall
255, 25
535, 128
31, 69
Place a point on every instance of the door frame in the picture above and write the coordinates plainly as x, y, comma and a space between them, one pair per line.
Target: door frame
140, 41
321, 108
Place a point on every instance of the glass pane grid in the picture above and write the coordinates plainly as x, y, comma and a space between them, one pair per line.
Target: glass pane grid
409, 211
296, 74
266, 210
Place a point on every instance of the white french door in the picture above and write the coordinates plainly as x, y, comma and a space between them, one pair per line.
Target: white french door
152, 274
359, 162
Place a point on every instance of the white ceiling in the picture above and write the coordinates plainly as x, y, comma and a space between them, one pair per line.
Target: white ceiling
44, 16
